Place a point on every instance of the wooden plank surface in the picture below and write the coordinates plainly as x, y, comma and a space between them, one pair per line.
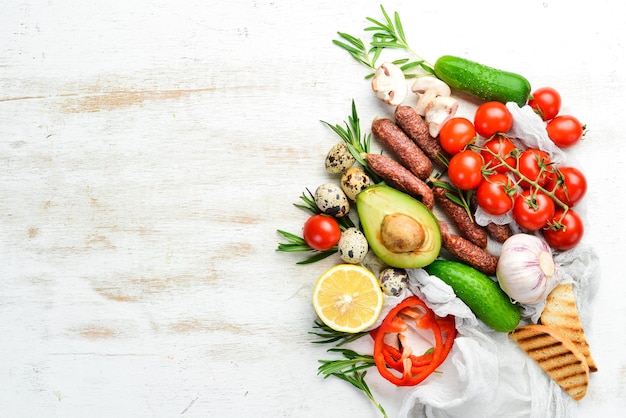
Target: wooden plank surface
149, 150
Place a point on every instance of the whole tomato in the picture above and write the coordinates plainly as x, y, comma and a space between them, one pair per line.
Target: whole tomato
494, 194
546, 102
569, 185
534, 165
567, 232
502, 147
456, 134
321, 232
465, 170
532, 209
492, 118
565, 131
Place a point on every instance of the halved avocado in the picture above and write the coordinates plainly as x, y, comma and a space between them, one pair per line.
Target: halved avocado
380, 206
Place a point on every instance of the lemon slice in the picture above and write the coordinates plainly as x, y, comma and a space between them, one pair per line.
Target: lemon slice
348, 298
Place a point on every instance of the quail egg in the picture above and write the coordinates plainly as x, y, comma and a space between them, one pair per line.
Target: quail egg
393, 281
339, 159
352, 246
331, 200
353, 181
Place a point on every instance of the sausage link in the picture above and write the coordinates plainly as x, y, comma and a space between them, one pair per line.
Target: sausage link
405, 150
468, 228
468, 252
416, 129
397, 176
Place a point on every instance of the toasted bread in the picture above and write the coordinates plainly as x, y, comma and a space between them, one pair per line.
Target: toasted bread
556, 355
561, 312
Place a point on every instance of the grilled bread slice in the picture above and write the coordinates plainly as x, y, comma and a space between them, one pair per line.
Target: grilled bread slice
561, 312
556, 355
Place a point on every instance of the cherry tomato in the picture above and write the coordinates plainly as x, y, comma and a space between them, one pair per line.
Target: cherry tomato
569, 185
465, 170
493, 194
532, 209
565, 131
535, 165
321, 232
546, 102
569, 234
498, 146
456, 134
492, 118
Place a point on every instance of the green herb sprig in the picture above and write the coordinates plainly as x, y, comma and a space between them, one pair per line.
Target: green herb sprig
350, 133
387, 33
352, 370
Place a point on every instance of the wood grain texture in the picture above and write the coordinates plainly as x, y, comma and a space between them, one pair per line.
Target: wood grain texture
149, 150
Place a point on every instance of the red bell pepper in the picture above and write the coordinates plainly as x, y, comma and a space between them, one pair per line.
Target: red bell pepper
396, 362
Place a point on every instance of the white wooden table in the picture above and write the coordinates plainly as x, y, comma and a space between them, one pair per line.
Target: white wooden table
149, 150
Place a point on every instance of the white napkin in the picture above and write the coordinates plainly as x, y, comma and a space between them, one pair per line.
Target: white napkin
486, 374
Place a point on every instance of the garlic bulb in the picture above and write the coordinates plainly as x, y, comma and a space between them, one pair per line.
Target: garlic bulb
526, 271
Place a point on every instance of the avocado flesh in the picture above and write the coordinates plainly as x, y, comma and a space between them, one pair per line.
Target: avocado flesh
378, 201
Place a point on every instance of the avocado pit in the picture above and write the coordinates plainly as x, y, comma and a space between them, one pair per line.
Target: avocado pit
401, 233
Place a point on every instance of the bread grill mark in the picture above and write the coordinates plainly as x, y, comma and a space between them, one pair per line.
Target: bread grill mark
416, 129
466, 225
407, 153
396, 175
556, 355
468, 252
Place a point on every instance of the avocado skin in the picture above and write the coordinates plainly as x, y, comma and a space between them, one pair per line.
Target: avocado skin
377, 201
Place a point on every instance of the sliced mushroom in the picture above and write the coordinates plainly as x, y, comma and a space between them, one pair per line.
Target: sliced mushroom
428, 88
389, 84
438, 112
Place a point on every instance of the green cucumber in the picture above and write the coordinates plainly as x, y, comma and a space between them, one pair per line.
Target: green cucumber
479, 292
487, 83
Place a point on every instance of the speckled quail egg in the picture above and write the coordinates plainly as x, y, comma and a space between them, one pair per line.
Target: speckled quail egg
352, 246
353, 181
393, 281
331, 200
339, 159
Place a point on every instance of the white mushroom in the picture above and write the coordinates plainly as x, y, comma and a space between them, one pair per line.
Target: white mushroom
428, 88
389, 84
438, 112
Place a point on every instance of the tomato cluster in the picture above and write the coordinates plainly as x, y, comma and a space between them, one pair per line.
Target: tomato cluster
507, 178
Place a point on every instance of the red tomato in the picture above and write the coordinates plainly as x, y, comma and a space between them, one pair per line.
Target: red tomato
570, 232
534, 164
493, 194
546, 102
498, 146
321, 232
565, 131
569, 185
532, 209
492, 118
465, 170
456, 134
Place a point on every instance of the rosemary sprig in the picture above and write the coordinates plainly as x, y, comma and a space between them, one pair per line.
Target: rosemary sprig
387, 34
328, 335
358, 145
297, 244
460, 197
351, 369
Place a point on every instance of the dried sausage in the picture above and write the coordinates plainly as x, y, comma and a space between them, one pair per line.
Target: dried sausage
468, 252
468, 228
396, 175
406, 151
416, 129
